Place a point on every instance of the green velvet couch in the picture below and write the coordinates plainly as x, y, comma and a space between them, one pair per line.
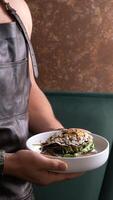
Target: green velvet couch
95, 113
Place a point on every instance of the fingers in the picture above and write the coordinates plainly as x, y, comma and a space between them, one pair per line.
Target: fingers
53, 164
73, 175
56, 177
45, 167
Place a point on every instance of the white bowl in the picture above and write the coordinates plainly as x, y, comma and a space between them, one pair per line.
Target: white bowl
75, 164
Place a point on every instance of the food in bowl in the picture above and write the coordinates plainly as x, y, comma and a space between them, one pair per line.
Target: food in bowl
70, 142
86, 159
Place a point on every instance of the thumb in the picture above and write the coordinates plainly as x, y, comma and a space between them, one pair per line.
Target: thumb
54, 164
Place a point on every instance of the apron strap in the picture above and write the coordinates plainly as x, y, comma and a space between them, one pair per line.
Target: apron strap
12, 13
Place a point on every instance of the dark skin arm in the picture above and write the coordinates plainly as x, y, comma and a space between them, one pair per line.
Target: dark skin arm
41, 114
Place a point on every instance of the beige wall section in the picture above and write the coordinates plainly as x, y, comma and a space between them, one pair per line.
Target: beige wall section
74, 43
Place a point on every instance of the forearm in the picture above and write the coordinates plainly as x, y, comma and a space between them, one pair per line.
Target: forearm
41, 116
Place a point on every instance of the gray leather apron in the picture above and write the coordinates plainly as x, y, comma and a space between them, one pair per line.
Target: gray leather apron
14, 97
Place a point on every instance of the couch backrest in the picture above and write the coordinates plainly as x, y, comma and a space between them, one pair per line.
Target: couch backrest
95, 113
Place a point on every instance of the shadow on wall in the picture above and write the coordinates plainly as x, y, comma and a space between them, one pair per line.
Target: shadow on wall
73, 42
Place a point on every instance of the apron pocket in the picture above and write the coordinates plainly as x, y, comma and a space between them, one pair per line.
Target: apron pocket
8, 87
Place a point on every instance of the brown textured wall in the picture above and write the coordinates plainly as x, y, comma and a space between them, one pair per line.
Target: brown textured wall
73, 40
